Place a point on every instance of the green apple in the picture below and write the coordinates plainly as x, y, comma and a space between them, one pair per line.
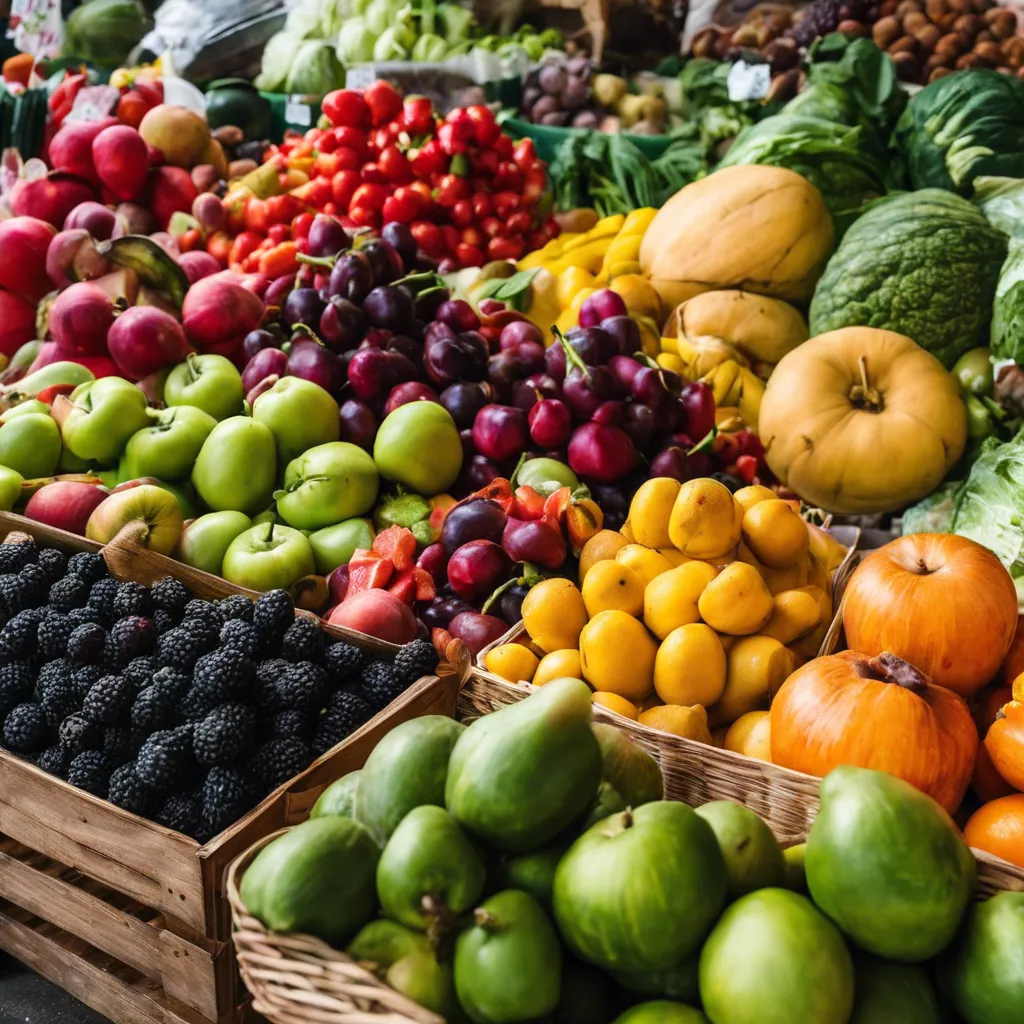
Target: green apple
30, 445
418, 445
203, 541
10, 488
100, 417
108, 477
267, 558
71, 463
29, 406
185, 493
333, 545
168, 447
268, 515
154, 510
237, 467
300, 415
210, 383
326, 485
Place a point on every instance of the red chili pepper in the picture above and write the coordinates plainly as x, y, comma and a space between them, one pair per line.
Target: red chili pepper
343, 185
469, 255
66, 91
256, 216
244, 245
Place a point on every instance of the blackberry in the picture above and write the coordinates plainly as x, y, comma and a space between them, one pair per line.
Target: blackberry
344, 661
196, 705
222, 674
25, 729
139, 672
241, 634
224, 735
16, 681
58, 700
166, 761
78, 733
295, 724
84, 678
88, 566
203, 611
227, 795
281, 759
70, 592
164, 620
303, 640
119, 745
129, 638
379, 685
58, 670
53, 562
414, 660
53, 634
171, 684
108, 701
171, 595
127, 790
16, 595
18, 637
80, 616
85, 645
15, 555
182, 812
273, 613
301, 687
237, 606
90, 771
182, 647
344, 715
152, 711
54, 760
101, 600
133, 599
35, 583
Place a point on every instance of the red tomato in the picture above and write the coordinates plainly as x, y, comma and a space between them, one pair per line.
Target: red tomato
504, 147
256, 216
327, 165
363, 217
328, 143
451, 237
462, 213
404, 209
346, 107
244, 244
423, 189
369, 196
347, 158
417, 115
486, 163
505, 248
492, 227
429, 159
279, 233
508, 178
450, 189
505, 204
282, 209
395, 165
384, 101
301, 225
455, 137
315, 192
374, 174
343, 185
482, 205
485, 128
189, 240
475, 237
428, 236
524, 155
353, 138
519, 223
469, 255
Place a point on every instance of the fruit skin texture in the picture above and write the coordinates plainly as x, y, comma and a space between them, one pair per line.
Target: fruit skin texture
986, 976
237, 466
554, 614
407, 769
851, 450
893, 994
30, 445
268, 557
209, 382
736, 601
753, 857
18, 320
998, 828
661, 1011
750, 735
888, 865
670, 599
316, 879
706, 521
154, 507
204, 541
24, 241
875, 713
378, 613
612, 586
508, 965
339, 798
169, 446
100, 417
773, 958
328, 484
519, 776
905, 597
617, 655
775, 533
300, 415
635, 775
428, 856
641, 889
690, 666
1004, 743
418, 445
650, 509
65, 504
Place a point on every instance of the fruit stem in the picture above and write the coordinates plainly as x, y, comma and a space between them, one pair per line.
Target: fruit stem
325, 262
705, 442
863, 395
270, 531
515, 472
887, 668
427, 277
300, 326
485, 919
571, 355
507, 585
190, 360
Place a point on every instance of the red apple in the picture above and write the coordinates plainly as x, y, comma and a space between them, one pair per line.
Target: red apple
66, 505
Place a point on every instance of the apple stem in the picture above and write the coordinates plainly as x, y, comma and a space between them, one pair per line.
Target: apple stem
190, 360
270, 531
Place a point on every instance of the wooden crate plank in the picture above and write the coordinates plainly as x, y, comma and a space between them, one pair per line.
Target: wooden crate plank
186, 971
156, 866
120, 1001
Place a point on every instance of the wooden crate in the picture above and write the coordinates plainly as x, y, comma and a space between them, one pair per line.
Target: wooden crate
127, 916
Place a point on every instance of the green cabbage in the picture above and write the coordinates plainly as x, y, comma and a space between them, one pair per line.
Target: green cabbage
304, 20
924, 264
457, 21
933, 514
394, 43
380, 15
828, 102
1002, 202
1007, 337
355, 42
278, 57
961, 127
429, 49
315, 70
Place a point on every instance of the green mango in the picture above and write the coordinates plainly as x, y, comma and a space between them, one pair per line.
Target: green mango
640, 890
628, 767
429, 869
521, 775
533, 872
774, 958
10, 488
888, 865
679, 982
406, 769
588, 995
508, 964
661, 1012
317, 878
985, 969
338, 799
796, 876
753, 857
30, 445
887, 993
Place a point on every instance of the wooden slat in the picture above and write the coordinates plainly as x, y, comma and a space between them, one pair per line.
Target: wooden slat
154, 865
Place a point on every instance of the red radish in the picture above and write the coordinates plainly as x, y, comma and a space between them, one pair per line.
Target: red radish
144, 339
51, 198
122, 161
17, 322
601, 454
65, 504
72, 256
71, 148
80, 318
98, 366
198, 264
99, 220
219, 311
170, 191
23, 245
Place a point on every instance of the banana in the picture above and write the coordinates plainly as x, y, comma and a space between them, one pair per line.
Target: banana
751, 393
723, 380
154, 266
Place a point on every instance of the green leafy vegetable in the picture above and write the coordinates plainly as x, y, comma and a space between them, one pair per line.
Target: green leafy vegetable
429, 48
355, 42
1002, 202
933, 514
278, 57
514, 291
315, 69
828, 102
924, 264
1007, 338
457, 22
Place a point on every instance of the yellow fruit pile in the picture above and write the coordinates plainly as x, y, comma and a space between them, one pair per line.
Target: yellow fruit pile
691, 617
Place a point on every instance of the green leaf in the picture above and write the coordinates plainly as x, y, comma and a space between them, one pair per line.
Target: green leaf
514, 291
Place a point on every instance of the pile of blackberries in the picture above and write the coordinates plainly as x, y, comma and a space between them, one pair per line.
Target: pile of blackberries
184, 711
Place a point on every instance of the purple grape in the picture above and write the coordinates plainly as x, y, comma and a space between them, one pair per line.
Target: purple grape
256, 341
327, 237
389, 307
351, 277
503, 371
402, 367
342, 324
463, 401
479, 519
303, 306
358, 424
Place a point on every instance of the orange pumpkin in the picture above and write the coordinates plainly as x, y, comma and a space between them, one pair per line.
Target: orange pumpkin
1013, 663
998, 828
877, 713
1005, 743
940, 602
986, 782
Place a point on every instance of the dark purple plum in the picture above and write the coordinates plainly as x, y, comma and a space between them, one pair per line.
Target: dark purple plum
351, 277
303, 306
326, 237
477, 519
313, 362
463, 401
440, 612
256, 341
501, 432
342, 324
389, 307
358, 424
385, 261
624, 332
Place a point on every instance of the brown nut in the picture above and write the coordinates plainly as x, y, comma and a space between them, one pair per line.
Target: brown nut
945, 21
785, 86
240, 168
905, 7
928, 37
950, 46
990, 51
961, 6
972, 60
914, 21
981, 6
984, 36
782, 54
704, 42
230, 136
723, 45
1013, 51
853, 29
887, 8
745, 35
886, 32
936, 8
937, 61
939, 73
907, 68
905, 44
765, 34
968, 25
1002, 23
